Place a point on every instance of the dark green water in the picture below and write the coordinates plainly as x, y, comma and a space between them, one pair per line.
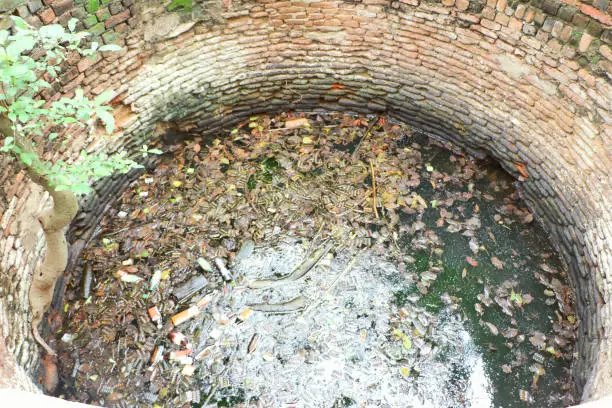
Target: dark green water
525, 251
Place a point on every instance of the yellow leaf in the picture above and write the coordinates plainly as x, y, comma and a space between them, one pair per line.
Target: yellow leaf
405, 371
307, 140
177, 183
406, 342
297, 123
418, 201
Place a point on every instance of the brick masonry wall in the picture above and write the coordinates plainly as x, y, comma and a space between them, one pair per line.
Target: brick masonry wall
528, 83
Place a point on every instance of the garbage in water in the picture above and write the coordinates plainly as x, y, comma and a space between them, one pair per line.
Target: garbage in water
318, 260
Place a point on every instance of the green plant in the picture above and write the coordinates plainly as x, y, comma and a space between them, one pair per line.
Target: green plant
185, 5
31, 127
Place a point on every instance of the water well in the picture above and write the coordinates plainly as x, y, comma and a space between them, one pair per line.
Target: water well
527, 84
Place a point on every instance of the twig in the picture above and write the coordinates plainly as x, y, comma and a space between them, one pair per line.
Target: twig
374, 189
347, 269
365, 136
212, 392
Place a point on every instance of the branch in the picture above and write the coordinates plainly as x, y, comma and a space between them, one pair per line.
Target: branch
53, 222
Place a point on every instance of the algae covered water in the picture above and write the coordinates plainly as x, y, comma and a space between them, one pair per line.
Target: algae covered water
319, 260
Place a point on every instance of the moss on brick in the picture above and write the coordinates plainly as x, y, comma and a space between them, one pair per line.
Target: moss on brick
103, 14
185, 5
90, 21
92, 6
476, 6
575, 38
110, 37
580, 20
97, 29
567, 13
594, 28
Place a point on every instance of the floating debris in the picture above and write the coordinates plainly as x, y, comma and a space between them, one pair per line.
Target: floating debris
155, 316
205, 265
225, 273
289, 202
178, 338
127, 277
245, 250
185, 315
183, 292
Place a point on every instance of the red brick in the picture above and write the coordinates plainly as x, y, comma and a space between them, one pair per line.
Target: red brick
62, 6
87, 62
515, 24
468, 17
502, 19
117, 19
585, 41
606, 52
566, 33
121, 28
596, 14
46, 16
491, 25
501, 5
462, 5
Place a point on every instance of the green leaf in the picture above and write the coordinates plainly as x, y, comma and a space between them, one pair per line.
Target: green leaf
27, 158
8, 144
72, 24
110, 47
107, 118
19, 22
81, 188
19, 45
53, 31
103, 97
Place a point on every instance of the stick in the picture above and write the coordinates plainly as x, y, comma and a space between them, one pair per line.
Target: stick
374, 189
365, 136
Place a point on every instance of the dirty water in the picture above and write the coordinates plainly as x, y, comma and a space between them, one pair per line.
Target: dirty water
430, 284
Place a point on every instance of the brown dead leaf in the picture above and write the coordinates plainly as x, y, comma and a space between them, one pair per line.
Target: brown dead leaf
497, 263
471, 261
296, 123
510, 332
522, 169
538, 340
492, 328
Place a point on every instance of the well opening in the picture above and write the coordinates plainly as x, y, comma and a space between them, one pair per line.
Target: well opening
494, 79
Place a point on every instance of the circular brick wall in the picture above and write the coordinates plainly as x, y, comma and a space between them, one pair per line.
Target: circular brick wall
528, 84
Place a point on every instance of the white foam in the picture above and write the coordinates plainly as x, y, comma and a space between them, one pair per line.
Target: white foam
322, 356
